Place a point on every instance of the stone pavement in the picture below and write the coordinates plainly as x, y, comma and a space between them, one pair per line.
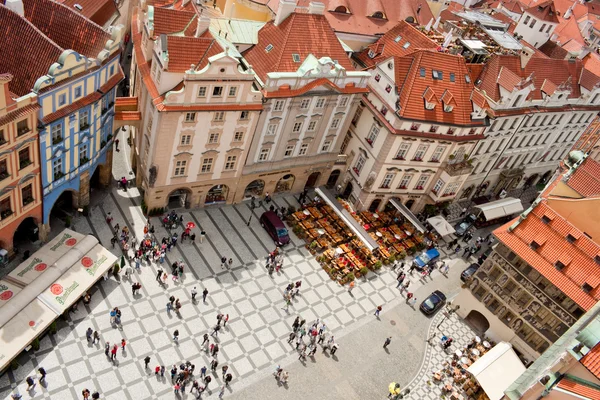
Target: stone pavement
254, 338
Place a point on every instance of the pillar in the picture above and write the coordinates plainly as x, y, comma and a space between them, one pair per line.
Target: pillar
44, 230
84, 190
106, 168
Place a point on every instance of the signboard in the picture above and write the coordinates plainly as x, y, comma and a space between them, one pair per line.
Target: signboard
7, 291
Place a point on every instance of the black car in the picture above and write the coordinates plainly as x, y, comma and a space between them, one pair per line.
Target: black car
469, 272
463, 226
434, 302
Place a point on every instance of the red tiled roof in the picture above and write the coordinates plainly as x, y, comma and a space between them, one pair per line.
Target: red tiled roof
586, 179
287, 92
479, 99
168, 21
412, 86
392, 44
544, 11
592, 360
99, 11
67, 28
508, 79
553, 50
581, 390
19, 113
160, 3
128, 116
185, 51
548, 87
19, 34
301, 34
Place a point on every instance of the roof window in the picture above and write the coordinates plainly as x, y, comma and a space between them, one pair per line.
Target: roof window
467, 79
429, 106
406, 45
559, 266
398, 38
571, 238
371, 54
448, 107
546, 219
422, 72
587, 287
597, 259
534, 245
269, 47
378, 14
452, 77
296, 57
439, 75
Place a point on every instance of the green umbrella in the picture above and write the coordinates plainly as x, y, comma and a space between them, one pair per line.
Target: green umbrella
122, 261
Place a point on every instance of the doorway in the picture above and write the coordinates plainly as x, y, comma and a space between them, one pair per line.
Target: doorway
178, 198
375, 205
347, 190
409, 204
477, 321
312, 180
333, 178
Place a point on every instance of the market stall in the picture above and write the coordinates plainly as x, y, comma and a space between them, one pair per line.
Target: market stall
408, 214
441, 226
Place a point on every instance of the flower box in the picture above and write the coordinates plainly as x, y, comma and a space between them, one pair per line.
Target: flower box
356, 171
369, 141
417, 159
418, 187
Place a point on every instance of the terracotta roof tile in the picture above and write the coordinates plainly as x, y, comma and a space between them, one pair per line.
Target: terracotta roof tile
128, 116
67, 28
17, 34
553, 50
19, 113
412, 86
394, 43
548, 87
586, 179
479, 99
581, 390
160, 3
185, 51
544, 11
592, 360
508, 79
300, 34
99, 11
168, 21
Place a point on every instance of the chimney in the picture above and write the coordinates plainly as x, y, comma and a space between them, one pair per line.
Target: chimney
286, 7
526, 54
203, 24
316, 8
16, 6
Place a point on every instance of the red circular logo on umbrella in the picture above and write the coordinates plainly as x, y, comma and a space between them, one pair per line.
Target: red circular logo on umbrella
56, 289
71, 242
40, 267
87, 262
6, 295
32, 323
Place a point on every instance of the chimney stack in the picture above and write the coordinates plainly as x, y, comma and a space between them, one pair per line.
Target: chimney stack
286, 7
316, 8
16, 6
203, 24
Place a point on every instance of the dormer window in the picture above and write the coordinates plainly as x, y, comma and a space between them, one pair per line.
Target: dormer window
422, 72
378, 14
269, 47
341, 9
296, 58
534, 245
559, 266
448, 108
397, 39
377, 78
429, 106
571, 238
586, 287
546, 220
597, 259
371, 54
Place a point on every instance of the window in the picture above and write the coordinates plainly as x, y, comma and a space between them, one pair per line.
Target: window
360, 163
278, 105
402, 151
264, 154
320, 103
387, 181
271, 129
304, 104
532, 23
2, 137
84, 120
269, 47
548, 31
238, 136
213, 138
202, 91
78, 92
185, 140
296, 57
303, 149
57, 168
244, 115
422, 72
62, 99
335, 123
219, 116
429, 106
517, 101
527, 18
345, 143
5, 208
232, 91
289, 150
27, 194
439, 75
180, 167
451, 189
24, 159
57, 133
422, 182
190, 117
311, 125
438, 186
326, 146
297, 127
343, 101
405, 181
230, 163
218, 91
437, 154
542, 27
372, 136
452, 77
149, 126
398, 38
420, 153
207, 164
377, 78
83, 153
22, 127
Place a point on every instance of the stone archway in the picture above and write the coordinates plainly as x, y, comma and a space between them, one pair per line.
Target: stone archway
285, 184
312, 180
532, 180
477, 321
217, 195
375, 205
333, 178
25, 235
409, 203
179, 198
254, 188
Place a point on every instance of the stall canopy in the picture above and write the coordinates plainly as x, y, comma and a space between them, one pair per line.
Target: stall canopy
408, 214
497, 369
345, 216
501, 208
440, 225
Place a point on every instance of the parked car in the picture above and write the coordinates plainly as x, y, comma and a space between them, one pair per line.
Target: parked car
469, 272
275, 228
427, 258
434, 302
463, 226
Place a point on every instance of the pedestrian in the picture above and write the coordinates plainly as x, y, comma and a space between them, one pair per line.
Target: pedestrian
159, 274
222, 392
113, 352
224, 369
463, 211
350, 287
146, 361
123, 343
377, 311
203, 371
223, 261
205, 338
334, 348
42, 372
194, 293
230, 262
292, 336
322, 329
412, 302
30, 383
400, 278
207, 380
157, 370
444, 268
88, 334
387, 342
176, 335
204, 294
216, 330
225, 320
106, 348
214, 364
176, 387
215, 350
169, 307
173, 372
409, 296
267, 198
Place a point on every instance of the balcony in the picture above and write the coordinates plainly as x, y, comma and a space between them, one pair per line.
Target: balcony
459, 168
341, 159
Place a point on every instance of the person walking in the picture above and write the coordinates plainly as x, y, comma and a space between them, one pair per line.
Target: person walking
230, 262
176, 336
107, 349
123, 343
409, 296
204, 294
223, 261
412, 302
224, 369
216, 330
225, 320
42, 372
30, 383
350, 287
146, 362
378, 310
88, 334
387, 342
159, 274
400, 279
194, 293
334, 348
404, 287
214, 364
113, 352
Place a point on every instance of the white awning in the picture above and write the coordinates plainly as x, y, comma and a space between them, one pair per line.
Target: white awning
345, 216
441, 226
408, 214
501, 208
497, 369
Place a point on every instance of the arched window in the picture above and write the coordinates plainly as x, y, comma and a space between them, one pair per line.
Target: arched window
378, 14
341, 9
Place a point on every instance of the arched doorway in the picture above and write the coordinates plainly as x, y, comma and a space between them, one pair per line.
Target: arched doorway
25, 235
477, 321
333, 177
285, 184
409, 204
545, 177
217, 195
254, 188
375, 205
312, 180
347, 190
531, 181
467, 192
179, 198
63, 209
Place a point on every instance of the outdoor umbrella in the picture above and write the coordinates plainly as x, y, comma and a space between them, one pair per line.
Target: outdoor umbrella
190, 225
394, 388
